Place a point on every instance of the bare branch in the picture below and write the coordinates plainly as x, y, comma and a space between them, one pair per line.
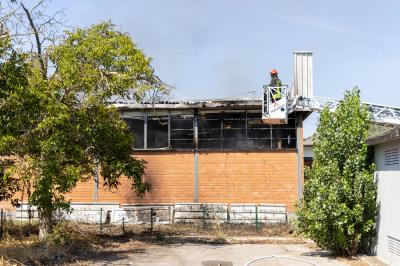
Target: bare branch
16, 34
38, 43
31, 29
35, 6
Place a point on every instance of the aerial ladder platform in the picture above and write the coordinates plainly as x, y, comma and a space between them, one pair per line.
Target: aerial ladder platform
300, 98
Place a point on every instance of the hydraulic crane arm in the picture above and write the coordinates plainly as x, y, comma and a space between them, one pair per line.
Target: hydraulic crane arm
381, 114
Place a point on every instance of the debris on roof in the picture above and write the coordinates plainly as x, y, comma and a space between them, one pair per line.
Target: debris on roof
242, 102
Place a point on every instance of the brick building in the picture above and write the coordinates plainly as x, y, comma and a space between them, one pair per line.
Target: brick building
209, 152
213, 152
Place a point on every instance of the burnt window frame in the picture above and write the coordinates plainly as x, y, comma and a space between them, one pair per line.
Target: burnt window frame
152, 136
242, 119
195, 142
146, 116
190, 142
128, 120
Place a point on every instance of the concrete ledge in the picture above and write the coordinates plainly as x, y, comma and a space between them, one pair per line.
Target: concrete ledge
164, 213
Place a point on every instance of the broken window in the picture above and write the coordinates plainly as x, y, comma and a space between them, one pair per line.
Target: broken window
210, 131
157, 132
217, 130
136, 126
234, 130
284, 136
182, 132
258, 134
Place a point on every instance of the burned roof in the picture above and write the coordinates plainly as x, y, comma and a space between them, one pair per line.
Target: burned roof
226, 103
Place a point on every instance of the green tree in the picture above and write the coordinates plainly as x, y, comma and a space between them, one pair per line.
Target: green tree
338, 209
12, 79
57, 126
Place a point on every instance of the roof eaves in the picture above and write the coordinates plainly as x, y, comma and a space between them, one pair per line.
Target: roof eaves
389, 135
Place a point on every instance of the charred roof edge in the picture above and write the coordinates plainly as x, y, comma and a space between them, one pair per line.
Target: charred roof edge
190, 105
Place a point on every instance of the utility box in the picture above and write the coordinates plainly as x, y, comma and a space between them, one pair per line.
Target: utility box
303, 75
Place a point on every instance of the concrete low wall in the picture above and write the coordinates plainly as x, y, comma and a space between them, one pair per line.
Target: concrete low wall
142, 215
263, 213
164, 214
231, 213
196, 212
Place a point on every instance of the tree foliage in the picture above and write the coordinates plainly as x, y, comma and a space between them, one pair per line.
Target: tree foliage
339, 205
57, 128
101, 63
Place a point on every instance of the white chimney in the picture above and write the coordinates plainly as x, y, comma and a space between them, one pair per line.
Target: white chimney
303, 74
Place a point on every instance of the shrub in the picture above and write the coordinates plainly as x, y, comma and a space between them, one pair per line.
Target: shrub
63, 234
338, 209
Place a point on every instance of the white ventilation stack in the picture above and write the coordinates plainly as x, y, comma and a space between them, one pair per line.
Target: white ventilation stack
303, 75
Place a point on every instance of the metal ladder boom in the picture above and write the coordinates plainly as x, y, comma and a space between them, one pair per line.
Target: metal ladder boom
379, 113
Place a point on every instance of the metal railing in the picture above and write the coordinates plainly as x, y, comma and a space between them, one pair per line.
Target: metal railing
268, 96
382, 114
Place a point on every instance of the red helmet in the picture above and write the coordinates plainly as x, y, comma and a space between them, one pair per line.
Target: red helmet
273, 72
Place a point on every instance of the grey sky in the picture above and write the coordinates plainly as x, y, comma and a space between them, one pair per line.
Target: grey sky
226, 48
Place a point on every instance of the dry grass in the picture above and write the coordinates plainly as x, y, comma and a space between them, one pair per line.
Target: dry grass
234, 230
72, 242
20, 244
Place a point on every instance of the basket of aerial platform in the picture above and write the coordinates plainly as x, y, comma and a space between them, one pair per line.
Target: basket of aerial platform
278, 101
274, 105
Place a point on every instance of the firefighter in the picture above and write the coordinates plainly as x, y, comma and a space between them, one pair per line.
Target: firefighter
275, 82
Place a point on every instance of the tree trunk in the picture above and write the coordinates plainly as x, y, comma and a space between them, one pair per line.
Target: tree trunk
45, 225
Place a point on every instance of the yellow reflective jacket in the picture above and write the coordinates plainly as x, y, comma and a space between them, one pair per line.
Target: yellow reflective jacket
276, 82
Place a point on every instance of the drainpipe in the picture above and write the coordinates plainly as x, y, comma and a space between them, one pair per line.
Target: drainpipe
196, 157
300, 157
145, 130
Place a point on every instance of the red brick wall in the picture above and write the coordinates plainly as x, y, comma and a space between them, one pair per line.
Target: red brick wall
169, 173
223, 177
254, 177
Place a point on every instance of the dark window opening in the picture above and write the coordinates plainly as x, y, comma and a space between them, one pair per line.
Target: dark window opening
258, 144
157, 132
136, 127
220, 130
234, 131
209, 131
182, 132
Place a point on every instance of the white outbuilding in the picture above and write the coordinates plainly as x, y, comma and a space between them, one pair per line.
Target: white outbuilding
387, 160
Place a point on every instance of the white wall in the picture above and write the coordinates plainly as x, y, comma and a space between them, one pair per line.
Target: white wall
388, 179
308, 152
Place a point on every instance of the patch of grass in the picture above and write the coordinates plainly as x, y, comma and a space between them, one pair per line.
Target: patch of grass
221, 236
68, 234
20, 229
232, 230
67, 238
160, 237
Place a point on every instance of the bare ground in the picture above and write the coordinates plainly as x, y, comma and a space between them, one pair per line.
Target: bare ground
79, 244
